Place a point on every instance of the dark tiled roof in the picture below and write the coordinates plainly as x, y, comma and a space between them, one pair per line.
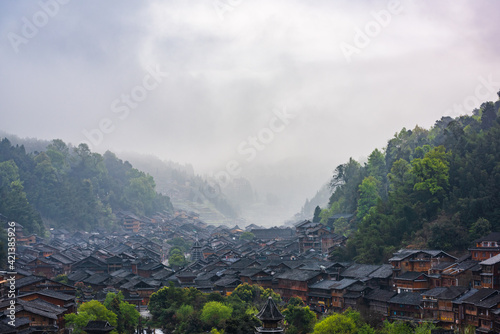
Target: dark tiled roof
42, 305
297, 275
404, 253
490, 302
270, 312
434, 292
249, 272
385, 271
243, 263
352, 295
479, 296
359, 270
52, 294
407, 298
273, 233
98, 325
61, 258
330, 284
380, 295
228, 281
442, 265
410, 275
97, 278
22, 282
465, 296
78, 276
494, 236
445, 293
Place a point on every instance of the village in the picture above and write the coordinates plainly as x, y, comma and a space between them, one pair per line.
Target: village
416, 285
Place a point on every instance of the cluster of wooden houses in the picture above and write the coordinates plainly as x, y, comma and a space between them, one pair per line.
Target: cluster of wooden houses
416, 285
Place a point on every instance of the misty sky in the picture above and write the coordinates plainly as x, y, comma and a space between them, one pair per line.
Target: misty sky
194, 81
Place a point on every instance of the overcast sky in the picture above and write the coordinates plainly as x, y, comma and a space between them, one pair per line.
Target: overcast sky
193, 81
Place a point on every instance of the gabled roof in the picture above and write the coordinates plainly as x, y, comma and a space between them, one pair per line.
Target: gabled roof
380, 295
493, 236
228, 281
330, 284
491, 261
97, 278
52, 294
404, 253
61, 258
98, 325
490, 302
411, 276
28, 280
465, 296
407, 298
384, 271
78, 276
479, 296
298, 275
359, 270
243, 263
270, 312
305, 223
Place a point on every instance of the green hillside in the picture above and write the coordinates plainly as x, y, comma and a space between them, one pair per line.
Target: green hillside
71, 187
436, 188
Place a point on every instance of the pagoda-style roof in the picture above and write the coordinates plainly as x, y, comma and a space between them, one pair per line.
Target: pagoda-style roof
98, 327
270, 312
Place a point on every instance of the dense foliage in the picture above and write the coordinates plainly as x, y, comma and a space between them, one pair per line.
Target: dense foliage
187, 310
120, 314
437, 188
71, 187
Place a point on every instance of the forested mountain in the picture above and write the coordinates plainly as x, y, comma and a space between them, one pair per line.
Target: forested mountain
71, 187
436, 188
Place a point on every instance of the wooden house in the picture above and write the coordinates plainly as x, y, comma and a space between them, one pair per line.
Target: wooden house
418, 260
465, 308
36, 283
486, 247
295, 282
92, 263
437, 305
412, 282
56, 298
490, 272
406, 306
378, 302
256, 276
328, 294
